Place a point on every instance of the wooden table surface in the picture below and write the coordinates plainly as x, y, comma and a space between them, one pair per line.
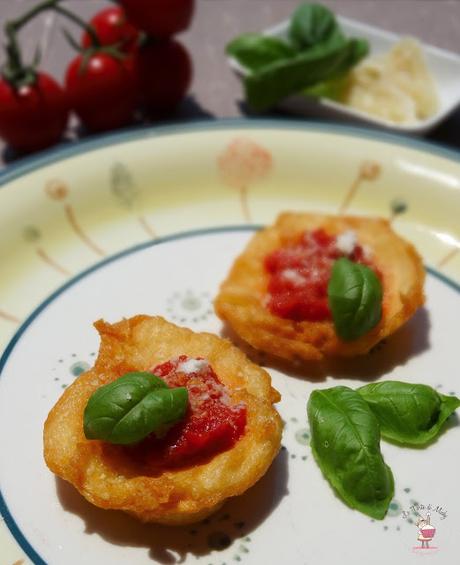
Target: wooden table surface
215, 91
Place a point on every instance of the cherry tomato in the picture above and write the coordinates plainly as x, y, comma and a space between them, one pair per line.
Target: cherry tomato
165, 73
112, 28
33, 117
159, 18
104, 91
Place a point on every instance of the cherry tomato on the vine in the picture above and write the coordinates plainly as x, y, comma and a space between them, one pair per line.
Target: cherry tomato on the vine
159, 18
165, 73
112, 28
32, 116
104, 91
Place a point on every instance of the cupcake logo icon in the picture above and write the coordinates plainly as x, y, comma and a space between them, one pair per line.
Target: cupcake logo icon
426, 532
422, 517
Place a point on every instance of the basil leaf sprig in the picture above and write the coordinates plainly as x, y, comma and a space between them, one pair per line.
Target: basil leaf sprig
255, 51
311, 24
409, 414
346, 426
345, 441
130, 408
315, 52
355, 299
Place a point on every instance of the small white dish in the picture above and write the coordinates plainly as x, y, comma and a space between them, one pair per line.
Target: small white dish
443, 65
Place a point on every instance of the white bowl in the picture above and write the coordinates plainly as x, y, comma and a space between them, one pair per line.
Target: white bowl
443, 65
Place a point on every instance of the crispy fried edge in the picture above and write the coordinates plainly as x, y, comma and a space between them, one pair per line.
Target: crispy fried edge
174, 496
240, 301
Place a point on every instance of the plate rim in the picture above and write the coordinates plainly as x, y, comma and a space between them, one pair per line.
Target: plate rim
8, 518
28, 164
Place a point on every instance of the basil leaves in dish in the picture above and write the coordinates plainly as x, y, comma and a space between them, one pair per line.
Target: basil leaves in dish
324, 62
355, 299
410, 414
345, 441
137, 404
315, 52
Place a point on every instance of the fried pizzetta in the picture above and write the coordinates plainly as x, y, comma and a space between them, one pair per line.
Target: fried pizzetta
106, 475
242, 300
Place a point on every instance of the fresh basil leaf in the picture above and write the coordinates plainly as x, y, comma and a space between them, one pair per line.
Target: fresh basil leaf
274, 82
357, 49
156, 412
256, 51
355, 299
332, 89
310, 24
345, 438
410, 414
354, 49
132, 407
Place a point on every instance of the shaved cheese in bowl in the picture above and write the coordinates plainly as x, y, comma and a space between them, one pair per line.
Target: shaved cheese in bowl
396, 86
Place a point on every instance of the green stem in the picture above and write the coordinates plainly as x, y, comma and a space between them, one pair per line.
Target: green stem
21, 21
76, 19
14, 70
12, 27
12, 47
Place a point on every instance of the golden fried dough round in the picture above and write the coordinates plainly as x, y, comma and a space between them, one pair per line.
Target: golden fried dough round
106, 475
242, 297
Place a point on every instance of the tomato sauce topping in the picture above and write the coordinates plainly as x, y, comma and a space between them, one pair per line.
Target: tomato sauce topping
212, 423
299, 273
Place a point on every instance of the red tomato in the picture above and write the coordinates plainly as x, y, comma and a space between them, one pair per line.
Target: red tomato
104, 92
32, 117
159, 18
112, 28
165, 73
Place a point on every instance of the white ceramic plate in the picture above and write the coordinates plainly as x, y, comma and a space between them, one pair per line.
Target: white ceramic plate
83, 231
444, 66
292, 515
